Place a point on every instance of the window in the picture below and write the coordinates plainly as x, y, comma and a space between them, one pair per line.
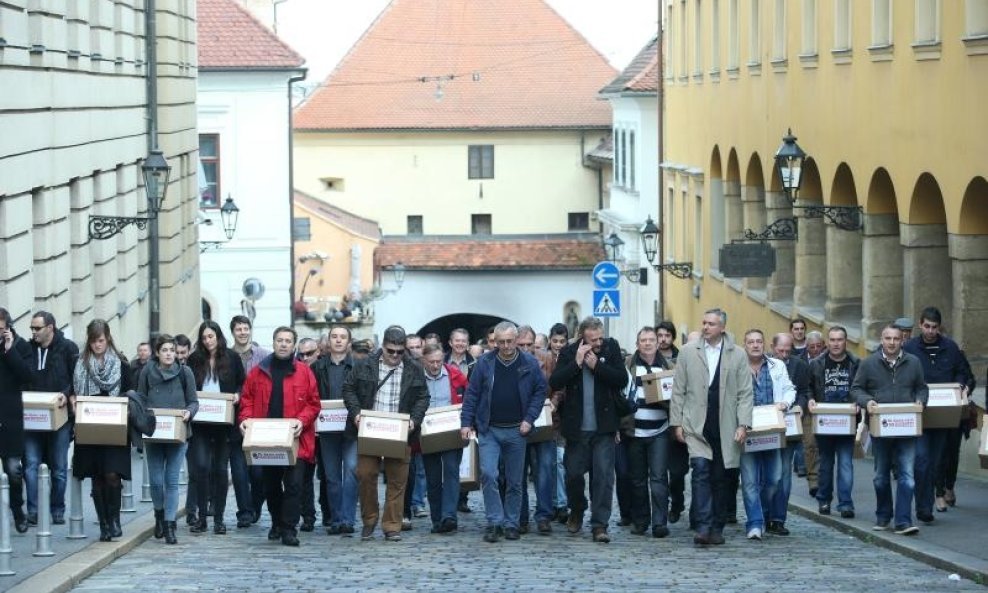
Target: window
809, 28
670, 227
415, 224
579, 221
682, 38
623, 178
755, 34
209, 159
733, 40
480, 224
714, 35
302, 229
670, 43
481, 161
631, 159
842, 25
698, 235
927, 21
698, 38
779, 37
333, 183
976, 18
881, 23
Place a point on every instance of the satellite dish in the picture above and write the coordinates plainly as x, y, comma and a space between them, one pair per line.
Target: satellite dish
253, 289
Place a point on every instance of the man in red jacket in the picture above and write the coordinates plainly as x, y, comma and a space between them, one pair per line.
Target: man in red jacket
282, 387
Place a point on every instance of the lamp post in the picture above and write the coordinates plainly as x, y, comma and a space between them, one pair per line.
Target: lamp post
649, 235
156, 172
229, 214
789, 160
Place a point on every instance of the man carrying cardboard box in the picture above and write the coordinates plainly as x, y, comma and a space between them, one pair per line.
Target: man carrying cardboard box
942, 363
761, 470
447, 386
892, 376
831, 377
54, 359
282, 387
386, 381
15, 374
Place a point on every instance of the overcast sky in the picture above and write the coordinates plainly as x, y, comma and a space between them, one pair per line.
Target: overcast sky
323, 30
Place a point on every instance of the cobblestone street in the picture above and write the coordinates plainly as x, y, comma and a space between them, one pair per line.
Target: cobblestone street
813, 558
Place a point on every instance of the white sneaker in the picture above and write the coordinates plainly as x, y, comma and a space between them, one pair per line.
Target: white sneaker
755, 533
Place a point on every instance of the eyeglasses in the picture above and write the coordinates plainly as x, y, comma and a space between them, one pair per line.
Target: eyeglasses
38, 328
395, 352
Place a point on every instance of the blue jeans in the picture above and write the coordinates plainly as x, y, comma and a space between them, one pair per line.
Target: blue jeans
419, 492
929, 451
51, 448
442, 476
497, 445
339, 460
829, 446
594, 453
248, 485
903, 450
760, 475
164, 464
779, 510
539, 456
648, 461
560, 499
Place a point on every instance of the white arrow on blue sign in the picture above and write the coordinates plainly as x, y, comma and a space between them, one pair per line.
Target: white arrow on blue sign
605, 276
606, 303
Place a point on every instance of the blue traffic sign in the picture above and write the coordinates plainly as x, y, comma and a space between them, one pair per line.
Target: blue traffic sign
606, 303
606, 276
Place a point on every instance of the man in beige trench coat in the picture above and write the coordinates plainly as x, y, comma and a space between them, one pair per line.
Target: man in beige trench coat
711, 413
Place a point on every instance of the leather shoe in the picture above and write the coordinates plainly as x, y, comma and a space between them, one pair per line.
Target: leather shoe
219, 528
243, 522
448, 525
638, 530
544, 527
574, 523
660, 531
701, 539
600, 535
274, 533
674, 516
20, 522
511, 533
58, 518
308, 525
716, 539
492, 534
777, 528
288, 538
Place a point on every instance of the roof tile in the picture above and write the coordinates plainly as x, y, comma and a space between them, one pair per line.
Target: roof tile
344, 218
230, 38
641, 75
449, 254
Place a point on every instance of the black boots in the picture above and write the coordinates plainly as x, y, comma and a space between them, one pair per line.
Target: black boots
99, 501
170, 533
113, 508
199, 526
159, 523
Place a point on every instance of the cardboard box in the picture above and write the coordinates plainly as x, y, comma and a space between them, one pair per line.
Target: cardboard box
101, 420
41, 411
944, 408
542, 429
835, 419
897, 420
764, 441
470, 467
862, 441
270, 441
170, 428
383, 434
794, 424
658, 386
332, 417
983, 449
214, 408
765, 419
441, 429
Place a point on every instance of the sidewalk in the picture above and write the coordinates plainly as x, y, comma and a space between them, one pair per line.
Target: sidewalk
75, 559
955, 541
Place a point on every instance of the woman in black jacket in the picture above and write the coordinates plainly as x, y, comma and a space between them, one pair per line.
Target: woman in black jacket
15, 375
102, 371
217, 369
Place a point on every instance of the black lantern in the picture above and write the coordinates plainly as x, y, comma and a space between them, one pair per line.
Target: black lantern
789, 160
229, 213
156, 172
399, 271
650, 239
613, 244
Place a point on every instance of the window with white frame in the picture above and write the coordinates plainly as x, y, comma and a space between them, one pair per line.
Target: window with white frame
682, 39
976, 18
698, 234
779, 31
842, 25
733, 38
754, 33
881, 23
670, 35
808, 46
698, 37
714, 35
670, 214
631, 159
927, 21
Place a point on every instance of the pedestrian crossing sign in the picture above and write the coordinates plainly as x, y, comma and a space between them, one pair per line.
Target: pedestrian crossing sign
606, 303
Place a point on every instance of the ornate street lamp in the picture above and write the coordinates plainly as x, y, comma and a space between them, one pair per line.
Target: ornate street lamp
156, 172
789, 160
229, 214
613, 245
399, 272
650, 239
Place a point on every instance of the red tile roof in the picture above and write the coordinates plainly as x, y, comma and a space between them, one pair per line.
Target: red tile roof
641, 75
540, 252
345, 219
230, 38
503, 63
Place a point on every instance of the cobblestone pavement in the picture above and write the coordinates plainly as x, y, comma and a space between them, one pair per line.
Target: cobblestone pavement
814, 558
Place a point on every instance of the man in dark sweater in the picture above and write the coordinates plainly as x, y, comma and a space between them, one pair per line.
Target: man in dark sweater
891, 376
505, 396
942, 363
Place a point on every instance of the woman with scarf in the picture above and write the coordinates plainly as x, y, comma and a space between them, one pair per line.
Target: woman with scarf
166, 384
102, 371
216, 368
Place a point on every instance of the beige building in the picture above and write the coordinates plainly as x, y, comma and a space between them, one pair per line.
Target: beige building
74, 113
886, 99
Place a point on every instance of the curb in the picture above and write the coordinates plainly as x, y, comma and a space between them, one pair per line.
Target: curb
910, 547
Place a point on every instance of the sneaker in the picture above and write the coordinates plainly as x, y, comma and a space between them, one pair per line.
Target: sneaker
544, 527
824, 509
420, 512
660, 531
492, 534
406, 524
925, 517
367, 533
880, 526
512, 533
777, 528
755, 534
600, 535
392, 536
906, 530
847, 514
574, 523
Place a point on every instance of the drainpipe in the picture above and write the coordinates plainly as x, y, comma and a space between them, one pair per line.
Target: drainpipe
151, 54
291, 195
662, 131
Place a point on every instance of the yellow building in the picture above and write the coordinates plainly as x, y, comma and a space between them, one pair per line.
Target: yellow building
886, 99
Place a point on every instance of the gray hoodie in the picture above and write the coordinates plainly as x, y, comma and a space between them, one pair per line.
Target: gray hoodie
163, 388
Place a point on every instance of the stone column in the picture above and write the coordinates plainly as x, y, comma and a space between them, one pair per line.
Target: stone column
969, 259
753, 205
843, 275
733, 215
780, 285
881, 273
926, 270
811, 264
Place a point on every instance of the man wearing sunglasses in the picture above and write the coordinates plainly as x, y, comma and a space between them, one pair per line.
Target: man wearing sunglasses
386, 381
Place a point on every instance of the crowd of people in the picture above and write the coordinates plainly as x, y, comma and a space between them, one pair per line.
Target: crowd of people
607, 438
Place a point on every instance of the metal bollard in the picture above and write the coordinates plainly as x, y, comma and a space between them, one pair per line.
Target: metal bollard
127, 497
42, 545
146, 482
5, 547
183, 475
76, 529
